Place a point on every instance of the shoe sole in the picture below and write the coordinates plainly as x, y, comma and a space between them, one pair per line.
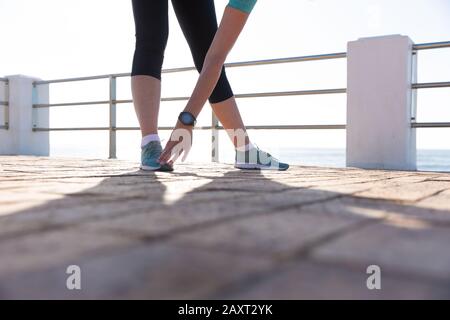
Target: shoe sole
247, 166
160, 168
148, 168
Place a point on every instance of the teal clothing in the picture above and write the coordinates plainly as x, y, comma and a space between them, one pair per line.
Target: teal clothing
243, 5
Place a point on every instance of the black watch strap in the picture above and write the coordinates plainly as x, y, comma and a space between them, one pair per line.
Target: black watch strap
187, 118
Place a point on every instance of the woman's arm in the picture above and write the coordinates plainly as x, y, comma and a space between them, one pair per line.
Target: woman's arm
232, 23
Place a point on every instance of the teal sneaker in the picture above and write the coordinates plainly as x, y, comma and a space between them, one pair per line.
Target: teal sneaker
149, 157
256, 159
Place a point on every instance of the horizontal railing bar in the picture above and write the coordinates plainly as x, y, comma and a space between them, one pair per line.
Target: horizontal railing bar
298, 127
160, 128
291, 93
430, 125
4, 80
281, 127
431, 85
107, 128
432, 45
73, 129
339, 55
238, 96
99, 77
69, 104
329, 56
177, 70
137, 128
4, 103
227, 65
4, 127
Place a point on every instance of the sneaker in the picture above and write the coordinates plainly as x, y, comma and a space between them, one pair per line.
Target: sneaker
256, 159
149, 157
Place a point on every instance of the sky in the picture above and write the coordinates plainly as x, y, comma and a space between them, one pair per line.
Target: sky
53, 39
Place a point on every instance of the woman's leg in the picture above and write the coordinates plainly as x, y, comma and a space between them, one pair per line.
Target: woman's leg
229, 116
199, 25
152, 30
146, 93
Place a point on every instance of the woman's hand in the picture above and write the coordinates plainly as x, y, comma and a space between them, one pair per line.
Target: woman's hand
180, 143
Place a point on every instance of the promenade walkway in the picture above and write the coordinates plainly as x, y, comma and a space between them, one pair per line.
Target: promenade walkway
210, 231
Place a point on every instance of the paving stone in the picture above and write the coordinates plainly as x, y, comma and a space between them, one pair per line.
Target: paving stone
439, 201
277, 235
315, 280
406, 190
143, 272
41, 250
415, 248
358, 207
440, 177
27, 195
348, 208
70, 211
188, 212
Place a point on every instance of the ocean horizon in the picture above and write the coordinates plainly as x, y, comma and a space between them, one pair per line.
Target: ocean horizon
427, 160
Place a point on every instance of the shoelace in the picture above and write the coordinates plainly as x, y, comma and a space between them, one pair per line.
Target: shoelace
260, 151
153, 152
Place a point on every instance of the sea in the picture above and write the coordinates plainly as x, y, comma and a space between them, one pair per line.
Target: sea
427, 160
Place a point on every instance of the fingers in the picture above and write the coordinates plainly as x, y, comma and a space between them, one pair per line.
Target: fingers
181, 142
166, 153
186, 152
174, 157
171, 153
176, 152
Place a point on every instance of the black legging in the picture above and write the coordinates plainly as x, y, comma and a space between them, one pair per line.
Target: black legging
199, 24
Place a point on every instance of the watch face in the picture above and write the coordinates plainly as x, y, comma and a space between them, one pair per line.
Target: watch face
187, 118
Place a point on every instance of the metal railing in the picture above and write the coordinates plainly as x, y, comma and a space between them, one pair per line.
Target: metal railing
5, 104
215, 127
430, 85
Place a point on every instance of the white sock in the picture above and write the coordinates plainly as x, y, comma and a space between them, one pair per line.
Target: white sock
246, 147
149, 138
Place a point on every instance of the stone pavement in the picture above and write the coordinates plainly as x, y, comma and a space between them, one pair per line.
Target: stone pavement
209, 231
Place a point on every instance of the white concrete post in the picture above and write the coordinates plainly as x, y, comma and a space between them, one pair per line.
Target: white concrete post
380, 103
20, 139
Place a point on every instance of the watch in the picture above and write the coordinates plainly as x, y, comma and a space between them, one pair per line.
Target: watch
187, 118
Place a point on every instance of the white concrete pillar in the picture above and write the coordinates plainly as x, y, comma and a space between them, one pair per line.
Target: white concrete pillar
20, 139
379, 103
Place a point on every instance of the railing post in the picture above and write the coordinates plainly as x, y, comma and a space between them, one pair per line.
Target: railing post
4, 96
414, 79
380, 104
112, 117
214, 138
